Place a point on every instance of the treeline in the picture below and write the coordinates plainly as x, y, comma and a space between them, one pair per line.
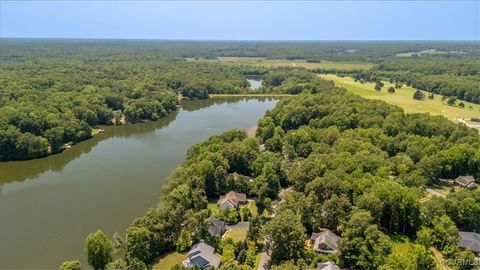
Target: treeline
50, 101
291, 81
433, 65
27, 49
355, 166
451, 77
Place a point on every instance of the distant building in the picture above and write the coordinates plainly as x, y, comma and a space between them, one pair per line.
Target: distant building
216, 227
202, 255
328, 266
466, 181
470, 241
231, 200
325, 242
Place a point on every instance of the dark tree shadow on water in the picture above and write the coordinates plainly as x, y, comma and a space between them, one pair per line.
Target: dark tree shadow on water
30, 169
27, 169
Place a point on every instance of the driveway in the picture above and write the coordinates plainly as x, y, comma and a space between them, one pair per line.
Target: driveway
434, 193
264, 261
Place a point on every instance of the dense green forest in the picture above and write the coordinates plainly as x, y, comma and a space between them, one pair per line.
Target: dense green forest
357, 167
46, 102
374, 51
53, 92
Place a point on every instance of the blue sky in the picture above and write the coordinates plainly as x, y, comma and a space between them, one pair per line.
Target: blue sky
243, 20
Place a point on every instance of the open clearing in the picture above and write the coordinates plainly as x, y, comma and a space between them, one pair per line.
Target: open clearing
170, 260
237, 234
430, 51
252, 206
258, 61
403, 97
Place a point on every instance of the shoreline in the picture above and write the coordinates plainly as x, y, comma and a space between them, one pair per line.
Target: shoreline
249, 95
95, 130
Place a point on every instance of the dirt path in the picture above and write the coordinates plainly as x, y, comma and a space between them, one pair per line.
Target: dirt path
251, 131
264, 261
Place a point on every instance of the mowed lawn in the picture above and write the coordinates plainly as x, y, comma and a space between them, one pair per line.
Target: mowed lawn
212, 205
170, 260
258, 61
237, 234
403, 97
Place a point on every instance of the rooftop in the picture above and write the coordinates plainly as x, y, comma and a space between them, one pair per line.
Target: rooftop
216, 227
202, 255
328, 266
233, 199
325, 242
465, 179
470, 241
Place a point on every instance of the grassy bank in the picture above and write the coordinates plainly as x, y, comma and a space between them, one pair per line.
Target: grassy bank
403, 97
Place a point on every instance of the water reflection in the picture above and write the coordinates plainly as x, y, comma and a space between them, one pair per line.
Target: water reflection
44, 221
29, 169
193, 105
22, 170
255, 81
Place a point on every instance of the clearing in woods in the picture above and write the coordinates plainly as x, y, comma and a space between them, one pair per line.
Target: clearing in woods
258, 61
403, 97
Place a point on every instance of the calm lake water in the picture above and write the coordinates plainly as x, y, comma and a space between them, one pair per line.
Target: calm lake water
49, 205
254, 81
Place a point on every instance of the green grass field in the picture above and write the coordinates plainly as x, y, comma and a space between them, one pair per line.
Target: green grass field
257, 61
404, 98
252, 206
170, 260
237, 235
213, 207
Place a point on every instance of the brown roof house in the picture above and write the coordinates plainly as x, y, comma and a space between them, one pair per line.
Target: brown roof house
231, 200
466, 181
470, 241
328, 266
202, 255
325, 242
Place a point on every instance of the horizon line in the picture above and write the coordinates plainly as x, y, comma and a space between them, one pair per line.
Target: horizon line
246, 40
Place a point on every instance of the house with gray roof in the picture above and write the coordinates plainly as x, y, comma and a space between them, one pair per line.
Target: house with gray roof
216, 227
327, 266
470, 241
202, 255
466, 181
325, 242
231, 200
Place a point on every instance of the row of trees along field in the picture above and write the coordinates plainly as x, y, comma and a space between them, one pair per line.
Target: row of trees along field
46, 102
357, 167
451, 77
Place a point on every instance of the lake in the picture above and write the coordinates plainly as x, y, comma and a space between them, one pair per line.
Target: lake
49, 205
255, 81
